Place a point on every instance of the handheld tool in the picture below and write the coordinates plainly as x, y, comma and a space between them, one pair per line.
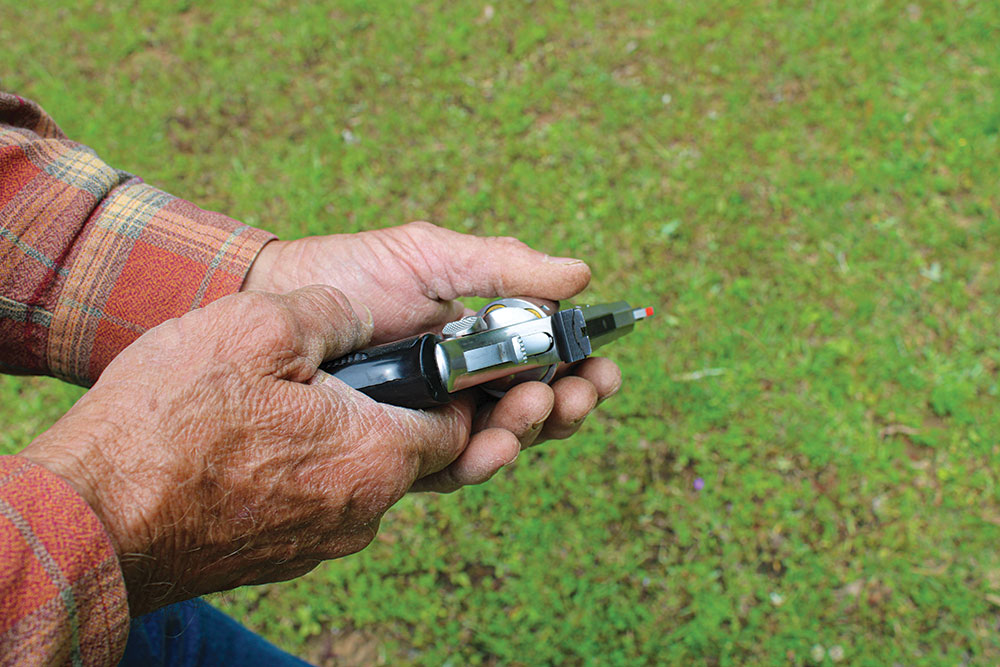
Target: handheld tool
506, 342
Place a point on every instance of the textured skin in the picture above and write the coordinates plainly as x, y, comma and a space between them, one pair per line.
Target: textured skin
411, 277
215, 458
210, 450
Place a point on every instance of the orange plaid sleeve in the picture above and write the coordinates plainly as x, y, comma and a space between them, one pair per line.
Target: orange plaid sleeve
62, 598
90, 257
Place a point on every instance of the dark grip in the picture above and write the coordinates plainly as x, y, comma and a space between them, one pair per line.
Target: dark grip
404, 373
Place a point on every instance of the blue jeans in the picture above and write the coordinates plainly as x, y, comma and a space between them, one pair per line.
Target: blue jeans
193, 633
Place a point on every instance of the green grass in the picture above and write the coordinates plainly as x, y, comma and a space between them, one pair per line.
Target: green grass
806, 191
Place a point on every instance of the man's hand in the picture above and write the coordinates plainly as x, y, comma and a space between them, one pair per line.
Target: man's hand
411, 278
216, 456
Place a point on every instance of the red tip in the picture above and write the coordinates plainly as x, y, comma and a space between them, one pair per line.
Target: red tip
649, 311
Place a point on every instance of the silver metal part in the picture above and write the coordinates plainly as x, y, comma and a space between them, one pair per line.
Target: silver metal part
537, 343
505, 334
508, 351
514, 340
463, 327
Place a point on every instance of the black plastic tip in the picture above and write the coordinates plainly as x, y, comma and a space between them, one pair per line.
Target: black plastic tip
570, 330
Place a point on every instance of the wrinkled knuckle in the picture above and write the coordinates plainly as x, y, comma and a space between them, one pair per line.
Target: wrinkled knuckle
328, 297
279, 325
258, 311
419, 232
253, 302
509, 241
422, 225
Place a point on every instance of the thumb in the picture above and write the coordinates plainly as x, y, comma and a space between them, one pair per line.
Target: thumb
501, 266
318, 323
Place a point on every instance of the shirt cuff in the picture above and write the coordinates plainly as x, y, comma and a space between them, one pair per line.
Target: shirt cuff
62, 596
144, 257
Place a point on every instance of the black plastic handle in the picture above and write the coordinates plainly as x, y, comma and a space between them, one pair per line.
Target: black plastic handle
404, 373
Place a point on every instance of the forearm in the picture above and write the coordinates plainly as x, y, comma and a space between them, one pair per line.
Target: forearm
91, 257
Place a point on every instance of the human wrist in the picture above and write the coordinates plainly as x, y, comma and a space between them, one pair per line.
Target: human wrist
72, 461
76, 452
262, 274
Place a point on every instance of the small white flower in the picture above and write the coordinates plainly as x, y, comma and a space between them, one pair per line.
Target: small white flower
666, 98
836, 653
817, 653
777, 599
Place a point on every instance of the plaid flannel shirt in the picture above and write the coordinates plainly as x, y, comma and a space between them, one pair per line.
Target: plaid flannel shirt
90, 257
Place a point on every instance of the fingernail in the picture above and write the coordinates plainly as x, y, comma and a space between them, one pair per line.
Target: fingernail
610, 393
366, 317
562, 260
537, 425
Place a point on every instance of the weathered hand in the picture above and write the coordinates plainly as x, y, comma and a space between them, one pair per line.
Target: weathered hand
411, 278
216, 456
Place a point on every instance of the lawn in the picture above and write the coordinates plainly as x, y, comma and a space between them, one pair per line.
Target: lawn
807, 192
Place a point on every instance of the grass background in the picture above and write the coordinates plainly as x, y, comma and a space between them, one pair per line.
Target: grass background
806, 191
